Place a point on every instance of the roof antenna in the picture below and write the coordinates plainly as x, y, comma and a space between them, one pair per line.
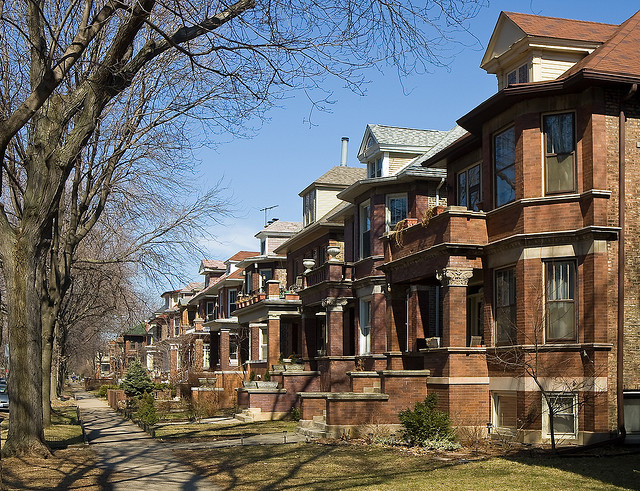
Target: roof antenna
265, 212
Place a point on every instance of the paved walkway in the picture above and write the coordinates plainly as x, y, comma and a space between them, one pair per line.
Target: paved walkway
130, 456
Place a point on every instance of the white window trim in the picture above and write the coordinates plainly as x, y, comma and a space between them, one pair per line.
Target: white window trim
502, 430
545, 417
387, 211
364, 344
206, 356
263, 344
366, 204
229, 302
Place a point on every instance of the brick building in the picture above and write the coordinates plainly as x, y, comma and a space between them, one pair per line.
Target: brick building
522, 269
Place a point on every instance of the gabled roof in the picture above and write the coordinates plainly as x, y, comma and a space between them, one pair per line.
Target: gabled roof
212, 264
192, 287
618, 55
554, 27
240, 255
137, 330
378, 137
338, 176
453, 135
279, 228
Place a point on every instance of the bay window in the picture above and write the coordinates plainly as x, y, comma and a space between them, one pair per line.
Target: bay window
505, 306
469, 193
396, 210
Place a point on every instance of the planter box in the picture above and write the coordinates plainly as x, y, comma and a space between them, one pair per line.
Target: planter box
278, 368
249, 384
262, 384
294, 367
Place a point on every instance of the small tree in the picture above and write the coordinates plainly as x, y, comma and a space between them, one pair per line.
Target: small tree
136, 381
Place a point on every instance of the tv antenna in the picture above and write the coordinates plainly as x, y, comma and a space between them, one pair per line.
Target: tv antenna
265, 212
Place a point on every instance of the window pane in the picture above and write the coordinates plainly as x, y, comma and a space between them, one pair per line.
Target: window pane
558, 129
563, 423
506, 410
397, 210
560, 173
523, 74
511, 78
504, 166
561, 320
462, 189
505, 302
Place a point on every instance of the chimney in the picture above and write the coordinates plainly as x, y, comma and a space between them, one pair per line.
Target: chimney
345, 145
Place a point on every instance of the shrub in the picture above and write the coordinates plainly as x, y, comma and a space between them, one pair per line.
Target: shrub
295, 414
425, 423
267, 376
146, 410
102, 391
136, 381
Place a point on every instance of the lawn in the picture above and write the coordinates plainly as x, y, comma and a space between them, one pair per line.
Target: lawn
221, 431
344, 466
66, 469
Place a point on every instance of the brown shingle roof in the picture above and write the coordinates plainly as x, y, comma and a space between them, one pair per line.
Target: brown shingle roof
240, 255
553, 27
341, 175
619, 54
281, 226
213, 264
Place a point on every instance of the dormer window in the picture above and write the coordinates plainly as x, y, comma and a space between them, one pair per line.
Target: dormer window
309, 208
374, 168
263, 247
518, 76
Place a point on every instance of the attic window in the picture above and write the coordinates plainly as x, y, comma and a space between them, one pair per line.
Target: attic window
374, 168
309, 208
519, 76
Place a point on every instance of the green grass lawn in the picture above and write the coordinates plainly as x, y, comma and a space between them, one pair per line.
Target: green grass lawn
64, 430
316, 466
220, 431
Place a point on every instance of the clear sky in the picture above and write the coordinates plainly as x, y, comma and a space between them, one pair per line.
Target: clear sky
288, 153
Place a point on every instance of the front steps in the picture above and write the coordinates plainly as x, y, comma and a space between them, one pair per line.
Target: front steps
313, 428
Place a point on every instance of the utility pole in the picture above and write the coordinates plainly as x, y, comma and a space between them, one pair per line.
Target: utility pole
265, 212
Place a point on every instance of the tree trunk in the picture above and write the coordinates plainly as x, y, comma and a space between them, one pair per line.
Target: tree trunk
22, 270
48, 323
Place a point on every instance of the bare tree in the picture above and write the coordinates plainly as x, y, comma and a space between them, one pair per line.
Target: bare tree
525, 355
86, 87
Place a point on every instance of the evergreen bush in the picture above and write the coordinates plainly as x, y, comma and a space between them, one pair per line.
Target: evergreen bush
147, 410
425, 423
136, 381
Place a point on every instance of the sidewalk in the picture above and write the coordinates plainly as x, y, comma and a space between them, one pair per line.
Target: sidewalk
129, 455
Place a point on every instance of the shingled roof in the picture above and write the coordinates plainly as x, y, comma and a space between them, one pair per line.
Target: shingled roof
240, 255
280, 226
618, 55
341, 175
212, 264
554, 27
392, 135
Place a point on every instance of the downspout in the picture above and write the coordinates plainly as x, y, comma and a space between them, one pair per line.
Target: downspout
621, 261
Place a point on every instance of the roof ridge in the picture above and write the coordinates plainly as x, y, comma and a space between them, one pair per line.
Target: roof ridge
562, 18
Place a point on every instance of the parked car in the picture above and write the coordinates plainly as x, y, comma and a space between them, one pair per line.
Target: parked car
4, 397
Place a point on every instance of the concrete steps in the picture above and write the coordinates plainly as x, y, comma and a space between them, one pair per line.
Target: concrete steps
313, 428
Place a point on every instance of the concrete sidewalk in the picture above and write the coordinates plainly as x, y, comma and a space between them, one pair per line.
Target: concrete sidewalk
129, 455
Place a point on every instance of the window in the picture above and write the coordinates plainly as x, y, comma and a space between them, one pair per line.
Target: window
561, 308
396, 210
505, 302
365, 327
505, 410
309, 208
232, 296
559, 152
265, 275
263, 247
210, 310
191, 316
233, 351
374, 168
519, 76
365, 231
565, 414
504, 160
176, 326
263, 343
469, 194
206, 356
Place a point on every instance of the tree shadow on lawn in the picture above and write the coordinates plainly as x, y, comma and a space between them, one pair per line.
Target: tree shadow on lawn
613, 465
318, 469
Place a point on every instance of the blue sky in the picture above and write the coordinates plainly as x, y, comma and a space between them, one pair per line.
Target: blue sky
288, 153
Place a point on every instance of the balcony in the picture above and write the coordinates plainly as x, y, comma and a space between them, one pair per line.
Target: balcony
329, 271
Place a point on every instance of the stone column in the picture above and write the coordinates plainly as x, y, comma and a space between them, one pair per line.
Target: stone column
198, 346
224, 349
454, 305
273, 341
333, 325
